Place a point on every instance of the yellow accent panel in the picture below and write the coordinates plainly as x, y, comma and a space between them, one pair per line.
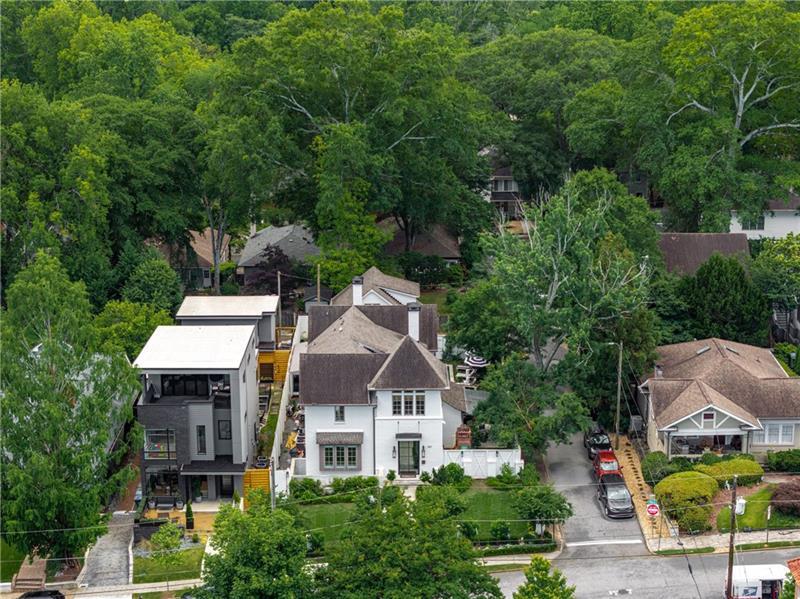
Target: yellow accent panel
255, 478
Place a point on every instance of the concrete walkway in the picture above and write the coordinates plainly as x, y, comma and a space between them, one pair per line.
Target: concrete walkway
108, 561
720, 541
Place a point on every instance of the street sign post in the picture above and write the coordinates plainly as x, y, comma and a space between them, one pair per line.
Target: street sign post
652, 509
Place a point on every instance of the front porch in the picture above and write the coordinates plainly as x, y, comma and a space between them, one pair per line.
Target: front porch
693, 446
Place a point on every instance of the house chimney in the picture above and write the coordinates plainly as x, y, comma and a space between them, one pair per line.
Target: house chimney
413, 320
659, 371
358, 291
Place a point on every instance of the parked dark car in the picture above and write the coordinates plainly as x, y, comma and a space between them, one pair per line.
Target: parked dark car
614, 497
596, 441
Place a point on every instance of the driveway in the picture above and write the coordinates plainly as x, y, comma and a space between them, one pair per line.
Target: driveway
588, 533
107, 563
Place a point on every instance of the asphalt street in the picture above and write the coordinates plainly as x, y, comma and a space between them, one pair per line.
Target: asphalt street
608, 558
588, 533
649, 577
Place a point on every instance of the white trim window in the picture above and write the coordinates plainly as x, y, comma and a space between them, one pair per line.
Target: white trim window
408, 403
775, 433
338, 413
340, 457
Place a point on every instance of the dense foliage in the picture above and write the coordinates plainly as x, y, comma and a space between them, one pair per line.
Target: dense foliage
747, 472
784, 461
66, 401
786, 498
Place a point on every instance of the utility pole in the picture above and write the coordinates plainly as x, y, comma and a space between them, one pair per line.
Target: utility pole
319, 298
280, 322
619, 395
729, 583
272, 483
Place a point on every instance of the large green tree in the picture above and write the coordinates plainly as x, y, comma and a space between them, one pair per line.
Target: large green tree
348, 74
723, 302
127, 325
404, 549
65, 405
260, 553
155, 283
776, 270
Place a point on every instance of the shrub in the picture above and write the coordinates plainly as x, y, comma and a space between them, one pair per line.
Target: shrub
786, 498
656, 467
425, 270
542, 503
709, 458
305, 488
448, 495
749, 472
784, 461
686, 497
315, 542
425, 477
236, 497
229, 288
528, 475
695, 519
353, 483
501, 531
195, 538
189, 516
542, 547
468, 529
451, 474
684, 489
391, 475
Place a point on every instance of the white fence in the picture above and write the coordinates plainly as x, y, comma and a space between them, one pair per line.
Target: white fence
483, 463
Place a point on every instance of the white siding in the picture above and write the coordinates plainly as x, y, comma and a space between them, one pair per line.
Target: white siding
201, 414
777, 224
403, 298
429, 426
321, 419
373, 298
452, 420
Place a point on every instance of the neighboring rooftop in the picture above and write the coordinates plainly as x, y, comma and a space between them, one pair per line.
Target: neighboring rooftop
380, 283
792, 202
233, 306
190, 347
742, 380
295, 241
437, 241
684, 253
200, 243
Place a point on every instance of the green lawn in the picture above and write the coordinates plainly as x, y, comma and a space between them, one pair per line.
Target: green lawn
435, 296
146, 569
327, 518
755, 514
268, 433
10, 560
486, 506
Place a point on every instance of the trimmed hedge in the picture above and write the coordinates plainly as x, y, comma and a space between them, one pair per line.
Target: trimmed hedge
686, 497
784, 461
507, 480
749, 472
544, 547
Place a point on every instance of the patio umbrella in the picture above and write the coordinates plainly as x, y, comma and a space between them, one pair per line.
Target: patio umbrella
474, 360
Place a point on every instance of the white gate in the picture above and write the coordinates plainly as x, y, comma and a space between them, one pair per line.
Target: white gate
483, 463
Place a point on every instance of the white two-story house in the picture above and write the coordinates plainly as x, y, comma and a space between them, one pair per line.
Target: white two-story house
199, 410
375, 397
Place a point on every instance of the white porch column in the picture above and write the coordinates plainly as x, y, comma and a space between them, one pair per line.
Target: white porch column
669, 447
745, 449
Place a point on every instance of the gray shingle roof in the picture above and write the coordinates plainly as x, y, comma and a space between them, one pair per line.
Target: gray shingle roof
684, 253
411, 366
394, 318
375, 280
295, 241
740, 379
340, 438
349, 352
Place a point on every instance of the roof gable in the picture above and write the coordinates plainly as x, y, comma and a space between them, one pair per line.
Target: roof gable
684, 253
410, 367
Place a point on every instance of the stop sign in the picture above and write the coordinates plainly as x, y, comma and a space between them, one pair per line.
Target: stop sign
652, 509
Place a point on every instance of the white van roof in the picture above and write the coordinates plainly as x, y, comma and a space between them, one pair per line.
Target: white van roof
746, 574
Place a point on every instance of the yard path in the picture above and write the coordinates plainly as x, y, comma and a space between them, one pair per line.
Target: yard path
107, 563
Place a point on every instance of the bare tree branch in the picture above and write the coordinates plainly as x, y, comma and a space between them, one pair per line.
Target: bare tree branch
764, 130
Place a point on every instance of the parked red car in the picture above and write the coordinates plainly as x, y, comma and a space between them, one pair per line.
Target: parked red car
605, 462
